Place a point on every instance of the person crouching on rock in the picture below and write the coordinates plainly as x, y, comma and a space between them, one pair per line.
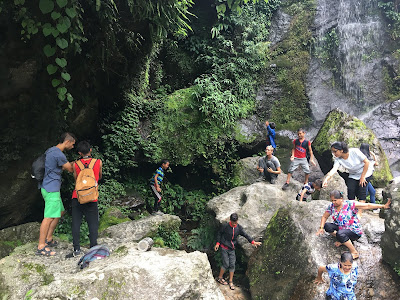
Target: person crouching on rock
346, 226
269, 165
343, 278
226, 238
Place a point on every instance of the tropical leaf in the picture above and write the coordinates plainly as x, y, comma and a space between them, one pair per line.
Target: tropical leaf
48, 50
62, 43
51, 69
62, 62
46, 6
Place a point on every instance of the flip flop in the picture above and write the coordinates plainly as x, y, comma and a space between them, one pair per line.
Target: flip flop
222, 281
45, 252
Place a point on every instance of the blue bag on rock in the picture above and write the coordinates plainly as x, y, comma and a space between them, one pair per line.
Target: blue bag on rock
94, 253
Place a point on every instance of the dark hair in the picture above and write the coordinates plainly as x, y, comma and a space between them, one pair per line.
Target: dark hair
301, 130
318, 183
340, 146
272, 125
234, 217
164, 161
83, 147
336, 194
364, 148
67, 136
346, 256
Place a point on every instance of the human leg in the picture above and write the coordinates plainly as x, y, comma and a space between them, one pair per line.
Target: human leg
232, 262
345, 237
225, 265
157, 198
352, 186
44, 228
76, 223
91, 213
372, 192
306, 168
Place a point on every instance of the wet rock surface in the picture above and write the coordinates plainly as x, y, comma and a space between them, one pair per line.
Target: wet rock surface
391, 237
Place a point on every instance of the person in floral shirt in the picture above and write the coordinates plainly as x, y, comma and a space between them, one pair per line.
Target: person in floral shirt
346, 225
343, 278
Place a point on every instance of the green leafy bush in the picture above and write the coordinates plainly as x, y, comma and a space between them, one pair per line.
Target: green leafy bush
168, 235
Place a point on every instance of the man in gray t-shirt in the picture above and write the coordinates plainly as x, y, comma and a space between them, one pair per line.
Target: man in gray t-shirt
55, 163
269, 165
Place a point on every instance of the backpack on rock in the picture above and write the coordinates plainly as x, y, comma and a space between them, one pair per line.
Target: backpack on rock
86, 185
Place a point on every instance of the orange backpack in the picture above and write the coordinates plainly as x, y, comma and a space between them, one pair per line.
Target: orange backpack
86, 185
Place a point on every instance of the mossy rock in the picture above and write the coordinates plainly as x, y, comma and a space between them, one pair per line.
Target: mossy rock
112, 216
272, 264
340, 126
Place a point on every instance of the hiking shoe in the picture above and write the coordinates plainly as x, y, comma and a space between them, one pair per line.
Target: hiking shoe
273, 180
74, 253
259, 179
285, 186
52, 243
376, 211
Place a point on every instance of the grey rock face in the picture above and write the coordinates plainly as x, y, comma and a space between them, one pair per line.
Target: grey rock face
384, 120
127, 274
136, 230
358, 34
12, 237
391, 237
287, 262
279, 27
255, 204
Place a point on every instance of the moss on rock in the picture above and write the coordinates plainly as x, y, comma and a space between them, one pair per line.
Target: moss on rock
267, 269
112, 216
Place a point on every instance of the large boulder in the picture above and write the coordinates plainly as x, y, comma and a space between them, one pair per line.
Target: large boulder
391, 238
255, 204
14, 236
286, 264
127, 274
138, 229
339, 126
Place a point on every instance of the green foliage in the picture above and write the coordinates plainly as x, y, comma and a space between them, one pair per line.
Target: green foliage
168, 236
112, 216
292, 57
204, 236
235, 5
392, 13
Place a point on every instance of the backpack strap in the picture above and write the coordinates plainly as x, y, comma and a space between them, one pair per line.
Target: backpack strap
92, 163
80, 164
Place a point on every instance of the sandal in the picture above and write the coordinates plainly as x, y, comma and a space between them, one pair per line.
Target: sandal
51, 243
222, 281
231, 286
45, 252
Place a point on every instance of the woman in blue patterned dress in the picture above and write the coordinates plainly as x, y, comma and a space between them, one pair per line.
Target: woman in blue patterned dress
343, 278
346, 226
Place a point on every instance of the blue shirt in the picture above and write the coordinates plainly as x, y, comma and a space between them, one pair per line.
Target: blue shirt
55, 159
271, 136
160, 177
341, 285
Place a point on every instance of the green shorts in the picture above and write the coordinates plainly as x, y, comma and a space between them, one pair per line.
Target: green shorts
53, 205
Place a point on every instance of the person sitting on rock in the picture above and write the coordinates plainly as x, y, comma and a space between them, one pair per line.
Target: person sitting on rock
227, 239
270, 134
343, 278
346, 226
269, 165
308, 189
155, 184
299, 157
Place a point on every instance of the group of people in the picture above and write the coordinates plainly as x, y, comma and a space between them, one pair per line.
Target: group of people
345, 228
55, 163
358, 165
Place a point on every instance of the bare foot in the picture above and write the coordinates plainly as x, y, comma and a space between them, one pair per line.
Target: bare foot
355, 255
338, 244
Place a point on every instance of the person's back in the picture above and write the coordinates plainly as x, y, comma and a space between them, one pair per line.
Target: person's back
55, 159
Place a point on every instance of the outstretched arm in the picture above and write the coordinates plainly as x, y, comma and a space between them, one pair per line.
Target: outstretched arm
329, 175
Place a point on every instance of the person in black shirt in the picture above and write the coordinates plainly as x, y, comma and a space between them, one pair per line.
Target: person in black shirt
226, 239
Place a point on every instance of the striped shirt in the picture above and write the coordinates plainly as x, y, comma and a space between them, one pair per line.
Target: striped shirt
160, 176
